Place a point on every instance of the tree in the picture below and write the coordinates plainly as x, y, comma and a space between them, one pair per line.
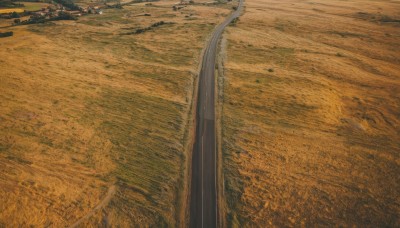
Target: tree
14, 15
68, 4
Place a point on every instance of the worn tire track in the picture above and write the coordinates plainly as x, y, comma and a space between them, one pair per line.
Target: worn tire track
98, 207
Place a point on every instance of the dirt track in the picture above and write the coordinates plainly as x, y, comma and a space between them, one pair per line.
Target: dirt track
101, 205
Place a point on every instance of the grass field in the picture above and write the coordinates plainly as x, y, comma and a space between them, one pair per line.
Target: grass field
10, 10
311, 114
34, 6
85, 108
28, 6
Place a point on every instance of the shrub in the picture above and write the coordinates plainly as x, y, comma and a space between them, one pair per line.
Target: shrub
339, 54
68, 3
234, 21
6, 34
14, 15
65, 16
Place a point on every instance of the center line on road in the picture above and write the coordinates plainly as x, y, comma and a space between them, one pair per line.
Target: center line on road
202, 182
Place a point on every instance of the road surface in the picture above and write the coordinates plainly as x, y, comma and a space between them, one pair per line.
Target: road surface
203, 200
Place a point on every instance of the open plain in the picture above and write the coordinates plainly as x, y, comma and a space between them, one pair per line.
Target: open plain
310, 114
97, 115
94, 117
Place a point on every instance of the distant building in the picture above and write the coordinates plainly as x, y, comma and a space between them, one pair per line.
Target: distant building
75, 13
40, 13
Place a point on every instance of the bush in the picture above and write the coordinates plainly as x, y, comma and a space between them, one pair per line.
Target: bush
68, 3
234, 21
65, 16
6, 34
14, 15
36, 19
157, 24
142, 30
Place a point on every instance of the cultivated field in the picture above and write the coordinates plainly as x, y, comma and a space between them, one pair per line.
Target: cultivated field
29, 6
311, 114
94, 119
10, 10
33, 6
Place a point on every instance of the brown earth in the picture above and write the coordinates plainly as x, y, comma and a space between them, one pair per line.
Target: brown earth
311, 114
84, 107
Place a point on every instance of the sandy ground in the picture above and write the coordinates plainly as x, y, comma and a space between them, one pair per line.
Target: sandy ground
311, 114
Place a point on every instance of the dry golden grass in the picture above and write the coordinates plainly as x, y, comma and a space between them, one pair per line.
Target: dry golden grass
311, 114
84, 108
10, 10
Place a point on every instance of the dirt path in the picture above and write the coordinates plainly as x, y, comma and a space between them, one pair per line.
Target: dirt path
101, 205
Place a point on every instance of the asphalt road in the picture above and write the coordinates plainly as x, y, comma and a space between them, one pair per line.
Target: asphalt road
203, 200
